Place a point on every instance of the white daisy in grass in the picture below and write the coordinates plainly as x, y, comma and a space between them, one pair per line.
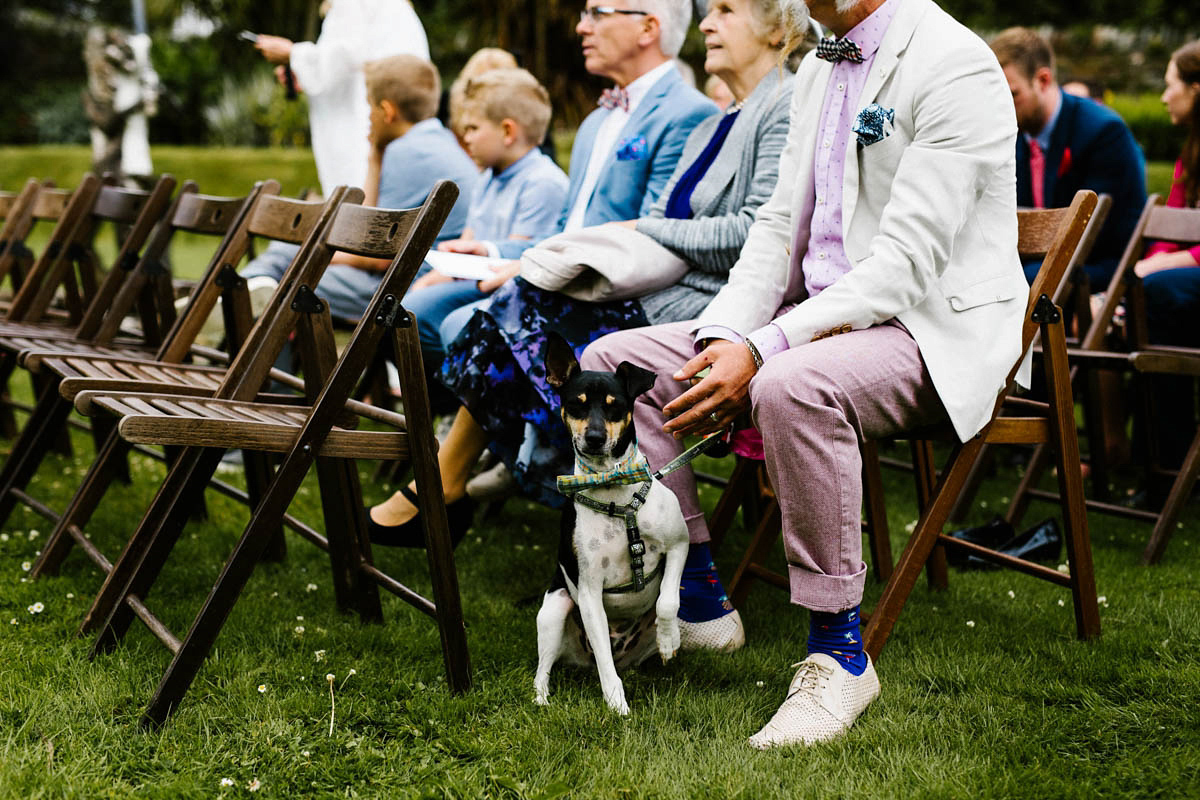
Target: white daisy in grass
970, 623
70, 595
13, 621
351, 672
299, 618
1011, 594
305, 753
253, 785
298, 630
320, 655
37, 608
33, 535
227, 781
26, 566
1062, 602
262, 688
3, 537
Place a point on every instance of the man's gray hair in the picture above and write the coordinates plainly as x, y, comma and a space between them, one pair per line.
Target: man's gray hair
674, 17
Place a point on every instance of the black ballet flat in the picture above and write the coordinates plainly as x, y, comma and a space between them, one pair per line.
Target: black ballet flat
411, 533
992, 535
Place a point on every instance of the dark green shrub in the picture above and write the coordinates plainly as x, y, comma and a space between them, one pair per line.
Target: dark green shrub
1152, 128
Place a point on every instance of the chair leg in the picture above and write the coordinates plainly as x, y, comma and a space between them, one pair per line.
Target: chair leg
225, 592
925, 471
432, 506
147, 549
760, 547
346, 530
876, 513
1070, 482
102, 428
258, 476
920, 546
979, 472
1181, 490
61, 443
36, 438
83, 504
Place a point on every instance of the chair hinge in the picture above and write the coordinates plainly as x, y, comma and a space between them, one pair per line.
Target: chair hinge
1045, 312
128, 262
227, 277
390, 314
306, 302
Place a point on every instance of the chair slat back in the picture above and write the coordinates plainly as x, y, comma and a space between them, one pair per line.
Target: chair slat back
285, 219
249, 368
384, 313
51, 203
371, 232
77, 273
17, 221
1177, 225
1053, 234
7, 201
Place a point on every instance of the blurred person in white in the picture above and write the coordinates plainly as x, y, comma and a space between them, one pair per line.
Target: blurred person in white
329, 71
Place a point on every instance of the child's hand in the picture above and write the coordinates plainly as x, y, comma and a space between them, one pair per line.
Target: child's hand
504, 273
472, 247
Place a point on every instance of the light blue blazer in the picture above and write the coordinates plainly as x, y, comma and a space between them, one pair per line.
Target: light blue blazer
644, 157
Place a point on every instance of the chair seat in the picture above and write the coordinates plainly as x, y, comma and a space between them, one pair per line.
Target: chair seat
168, 419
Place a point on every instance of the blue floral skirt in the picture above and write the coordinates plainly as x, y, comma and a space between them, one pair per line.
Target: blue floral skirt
497, 369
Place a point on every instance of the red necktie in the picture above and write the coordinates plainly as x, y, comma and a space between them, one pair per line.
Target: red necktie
1037, 173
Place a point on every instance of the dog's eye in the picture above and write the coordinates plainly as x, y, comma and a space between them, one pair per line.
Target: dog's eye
609, 400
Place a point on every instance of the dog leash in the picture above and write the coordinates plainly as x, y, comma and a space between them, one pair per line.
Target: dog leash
637, 546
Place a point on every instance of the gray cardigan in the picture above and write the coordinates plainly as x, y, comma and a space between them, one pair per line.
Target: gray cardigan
724, 202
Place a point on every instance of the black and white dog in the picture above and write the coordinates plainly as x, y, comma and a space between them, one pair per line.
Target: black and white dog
623, 540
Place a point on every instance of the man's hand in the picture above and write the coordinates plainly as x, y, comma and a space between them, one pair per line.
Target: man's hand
275, 49
712, 403
472, 247
504, 273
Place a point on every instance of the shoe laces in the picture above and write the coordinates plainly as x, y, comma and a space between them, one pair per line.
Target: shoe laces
809, 677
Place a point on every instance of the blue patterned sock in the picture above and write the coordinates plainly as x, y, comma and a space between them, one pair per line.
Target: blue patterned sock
701, 595
837, 636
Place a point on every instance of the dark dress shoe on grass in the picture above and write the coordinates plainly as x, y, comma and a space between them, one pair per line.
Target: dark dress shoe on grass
1041, 543
992, 535
459, 516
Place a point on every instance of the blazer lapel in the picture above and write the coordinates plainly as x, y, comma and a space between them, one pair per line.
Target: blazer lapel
633, 126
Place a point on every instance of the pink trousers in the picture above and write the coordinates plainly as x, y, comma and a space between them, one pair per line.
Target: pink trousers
813, 404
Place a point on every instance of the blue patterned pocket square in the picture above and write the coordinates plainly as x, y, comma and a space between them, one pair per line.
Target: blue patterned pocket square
874, 124
632, 148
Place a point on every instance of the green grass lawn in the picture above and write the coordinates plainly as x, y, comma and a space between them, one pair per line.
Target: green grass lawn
986, 692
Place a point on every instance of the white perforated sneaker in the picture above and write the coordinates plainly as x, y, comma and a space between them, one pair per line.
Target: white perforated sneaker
822, 703
723, 634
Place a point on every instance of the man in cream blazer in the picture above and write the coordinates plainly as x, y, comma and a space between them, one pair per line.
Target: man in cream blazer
859, 308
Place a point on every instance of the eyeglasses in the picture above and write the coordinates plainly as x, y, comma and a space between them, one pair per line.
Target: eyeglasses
597, 13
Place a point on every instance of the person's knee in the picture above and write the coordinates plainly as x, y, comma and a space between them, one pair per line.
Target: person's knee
780, 386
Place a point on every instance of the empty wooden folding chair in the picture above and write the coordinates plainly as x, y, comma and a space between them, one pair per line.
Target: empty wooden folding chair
260, 214
319, 434
146, 288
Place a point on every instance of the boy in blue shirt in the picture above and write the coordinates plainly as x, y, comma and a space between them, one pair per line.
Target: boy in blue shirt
517, 198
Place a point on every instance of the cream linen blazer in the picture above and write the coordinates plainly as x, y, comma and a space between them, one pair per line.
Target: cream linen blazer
929, 216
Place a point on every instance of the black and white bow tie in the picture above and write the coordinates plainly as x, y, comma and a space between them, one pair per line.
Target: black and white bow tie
836, 50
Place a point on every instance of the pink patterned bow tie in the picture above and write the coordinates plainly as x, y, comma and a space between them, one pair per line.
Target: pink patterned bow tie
614, 98
836, 50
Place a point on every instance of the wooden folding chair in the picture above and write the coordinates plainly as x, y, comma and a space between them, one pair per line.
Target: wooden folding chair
145, 288
1054, 234
1095, 354
319, 433
35, 202
261, 214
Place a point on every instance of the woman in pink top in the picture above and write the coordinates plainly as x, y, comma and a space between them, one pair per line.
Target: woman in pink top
1170, 274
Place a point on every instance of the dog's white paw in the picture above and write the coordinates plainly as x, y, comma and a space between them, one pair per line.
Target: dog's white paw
668, 638
541, 691
616, 701
541, 699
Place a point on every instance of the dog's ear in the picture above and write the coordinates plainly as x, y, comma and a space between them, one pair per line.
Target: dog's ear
561, 364
635, 379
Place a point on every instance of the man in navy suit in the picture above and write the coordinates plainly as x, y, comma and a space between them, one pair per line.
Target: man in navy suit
1078, 143
626, 149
